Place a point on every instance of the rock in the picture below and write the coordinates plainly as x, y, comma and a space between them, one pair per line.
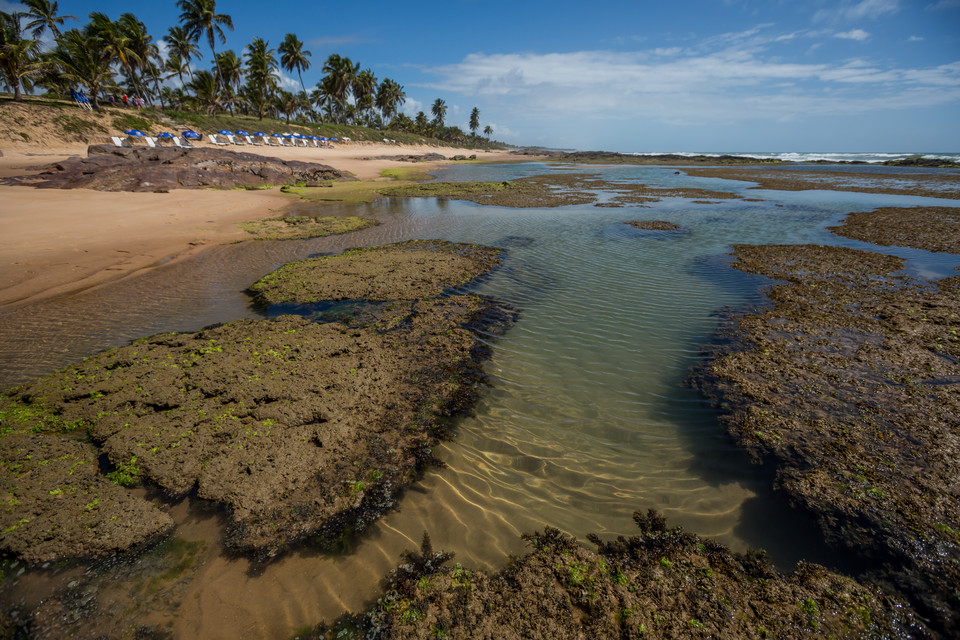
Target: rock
110, 168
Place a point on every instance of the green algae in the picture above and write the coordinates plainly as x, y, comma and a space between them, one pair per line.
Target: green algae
300, 227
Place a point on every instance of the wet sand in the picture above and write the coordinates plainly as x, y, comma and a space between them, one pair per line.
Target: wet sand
57, 242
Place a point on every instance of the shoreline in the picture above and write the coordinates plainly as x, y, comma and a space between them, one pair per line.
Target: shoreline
60, 242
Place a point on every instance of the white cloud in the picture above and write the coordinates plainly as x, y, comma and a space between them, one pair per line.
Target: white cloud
916, 39
856, 34
736, 82
853, 11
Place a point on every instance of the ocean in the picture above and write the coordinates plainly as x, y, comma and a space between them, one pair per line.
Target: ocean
807, 156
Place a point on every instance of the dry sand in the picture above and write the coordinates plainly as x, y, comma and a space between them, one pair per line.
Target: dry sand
56, 242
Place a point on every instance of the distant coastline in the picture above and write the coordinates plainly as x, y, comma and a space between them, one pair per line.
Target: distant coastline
946, 160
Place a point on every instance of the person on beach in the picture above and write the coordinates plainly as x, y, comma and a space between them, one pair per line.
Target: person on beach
126, 100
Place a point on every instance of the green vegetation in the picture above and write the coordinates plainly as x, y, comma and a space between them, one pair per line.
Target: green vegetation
297, 227
107, 57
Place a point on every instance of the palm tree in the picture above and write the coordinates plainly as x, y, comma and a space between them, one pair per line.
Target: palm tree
141, 45
83, 58
199, 17
293, 56
183, 47
439, 111
176, 65
19, 56
364, 89
474, 121
339, 82
390, 96
488, 131
231, 70
207, 90
43, 17
115, 41
287, 104
261, 78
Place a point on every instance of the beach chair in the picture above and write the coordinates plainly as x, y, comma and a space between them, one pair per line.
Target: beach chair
183, 145
214, 140
272, 142
120, 142
303, 141
251, 140
286, 142
234, 140
151, 142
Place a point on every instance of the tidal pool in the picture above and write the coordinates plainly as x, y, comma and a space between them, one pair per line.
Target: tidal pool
585, 418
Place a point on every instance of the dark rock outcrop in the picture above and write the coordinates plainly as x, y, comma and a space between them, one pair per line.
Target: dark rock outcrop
109, 168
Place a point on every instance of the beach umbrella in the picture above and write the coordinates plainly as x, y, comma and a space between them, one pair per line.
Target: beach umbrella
165, 134
136, 133
333, 140
189, 134
260, 134
276, 135
224, 132
242, 133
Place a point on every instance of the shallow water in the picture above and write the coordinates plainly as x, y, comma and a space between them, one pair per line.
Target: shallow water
584, 421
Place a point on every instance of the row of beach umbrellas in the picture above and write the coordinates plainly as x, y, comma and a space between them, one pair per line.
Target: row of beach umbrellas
193, 135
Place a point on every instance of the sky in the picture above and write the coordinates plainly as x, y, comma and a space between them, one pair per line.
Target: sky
641, 76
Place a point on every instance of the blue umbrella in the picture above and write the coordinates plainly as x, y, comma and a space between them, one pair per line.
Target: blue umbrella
275, 135
333, 139
242, 133
135, 132
224, 132
189, 134
165, 134
260, 133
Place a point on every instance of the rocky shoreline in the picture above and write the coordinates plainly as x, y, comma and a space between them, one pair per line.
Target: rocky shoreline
847, 385
664, 583
298, 428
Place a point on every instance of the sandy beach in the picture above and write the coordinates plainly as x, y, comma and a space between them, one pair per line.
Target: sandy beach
61, 241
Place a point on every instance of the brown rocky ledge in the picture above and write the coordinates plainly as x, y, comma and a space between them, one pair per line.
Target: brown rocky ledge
930, 185
299, 428
930, 228
110, 168
849, 386
663, 584
655, 225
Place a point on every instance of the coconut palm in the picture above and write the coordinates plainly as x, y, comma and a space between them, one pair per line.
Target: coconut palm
141, 45
439, 111
183, 47
474, 120
488, 131
364, 90
207, 90
42, 15
390, 96
287, 103
19, 56
338, 82
293, 56
200, 17
261, 65
82, 58
174, 64
114, 39
231, 70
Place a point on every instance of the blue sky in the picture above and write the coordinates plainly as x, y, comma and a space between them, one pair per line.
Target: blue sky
687, 75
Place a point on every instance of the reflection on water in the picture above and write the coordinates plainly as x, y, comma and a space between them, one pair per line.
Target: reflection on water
585, 419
